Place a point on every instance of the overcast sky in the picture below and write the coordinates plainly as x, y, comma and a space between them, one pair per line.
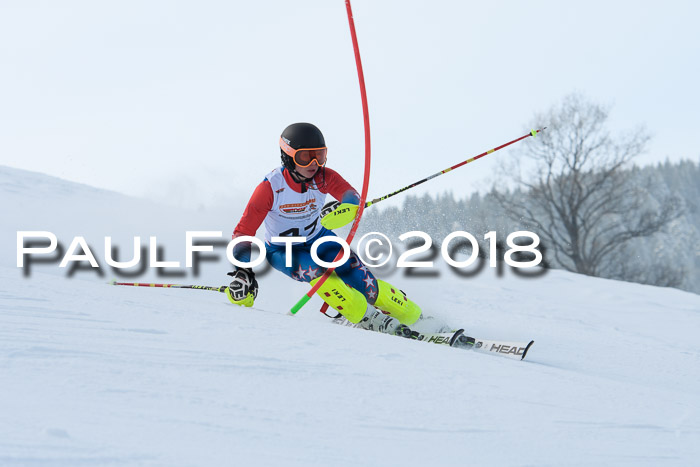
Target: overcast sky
185, 101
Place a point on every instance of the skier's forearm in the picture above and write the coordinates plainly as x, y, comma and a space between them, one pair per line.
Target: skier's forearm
340, 189
242, 251
350, 196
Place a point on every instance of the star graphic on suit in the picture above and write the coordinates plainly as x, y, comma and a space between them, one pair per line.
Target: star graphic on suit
369, 281
301, 272
313, 273
371, 294
364, 269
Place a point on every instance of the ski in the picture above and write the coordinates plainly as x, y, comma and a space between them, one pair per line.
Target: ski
458, 339
440, 338
517, 350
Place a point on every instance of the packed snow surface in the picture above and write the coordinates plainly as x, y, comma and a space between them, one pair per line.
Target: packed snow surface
95, 374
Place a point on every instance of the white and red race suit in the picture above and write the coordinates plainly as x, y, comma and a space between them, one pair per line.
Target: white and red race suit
287, 208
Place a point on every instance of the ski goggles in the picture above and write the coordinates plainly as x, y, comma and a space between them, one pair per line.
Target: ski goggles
305, 156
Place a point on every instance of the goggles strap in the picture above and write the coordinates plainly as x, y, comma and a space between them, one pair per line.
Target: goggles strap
301, 179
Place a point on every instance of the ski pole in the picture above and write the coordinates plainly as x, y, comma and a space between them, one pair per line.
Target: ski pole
179, 286
172, 286
532, 133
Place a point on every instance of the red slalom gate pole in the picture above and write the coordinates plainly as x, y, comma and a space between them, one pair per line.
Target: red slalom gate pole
368, 158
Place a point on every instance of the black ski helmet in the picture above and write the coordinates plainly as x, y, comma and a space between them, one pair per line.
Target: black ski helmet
299, 136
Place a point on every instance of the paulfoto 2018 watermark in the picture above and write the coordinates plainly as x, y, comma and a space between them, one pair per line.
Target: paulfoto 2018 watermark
374, 249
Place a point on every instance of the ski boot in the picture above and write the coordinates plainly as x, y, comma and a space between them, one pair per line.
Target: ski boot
375, 320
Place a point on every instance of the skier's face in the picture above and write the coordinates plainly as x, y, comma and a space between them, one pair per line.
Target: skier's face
308, 171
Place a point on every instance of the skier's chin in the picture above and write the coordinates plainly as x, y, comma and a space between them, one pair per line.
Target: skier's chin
307, 172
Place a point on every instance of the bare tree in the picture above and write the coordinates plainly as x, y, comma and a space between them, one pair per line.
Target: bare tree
582, 198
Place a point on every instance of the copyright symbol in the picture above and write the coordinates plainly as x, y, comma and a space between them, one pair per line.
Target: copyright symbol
375, 238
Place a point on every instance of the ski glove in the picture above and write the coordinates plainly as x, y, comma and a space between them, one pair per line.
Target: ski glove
335, 215
243, 288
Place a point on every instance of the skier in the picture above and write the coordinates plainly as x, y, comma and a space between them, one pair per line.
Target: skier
289, 201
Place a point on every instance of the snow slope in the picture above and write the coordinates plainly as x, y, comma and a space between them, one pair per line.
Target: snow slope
92, 374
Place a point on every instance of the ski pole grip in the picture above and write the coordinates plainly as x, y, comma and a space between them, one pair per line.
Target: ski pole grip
299, 304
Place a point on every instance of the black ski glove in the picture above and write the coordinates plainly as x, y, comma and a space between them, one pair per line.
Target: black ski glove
243, 283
